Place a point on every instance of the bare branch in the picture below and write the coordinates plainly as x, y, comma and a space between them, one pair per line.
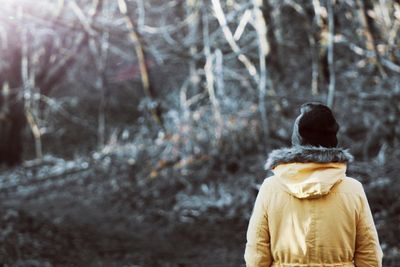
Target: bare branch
367, 53
246, 17
371, 45
220, 15
208, 68
331, 63
263, 51
315, 47
140, 56
36, 133
82, 18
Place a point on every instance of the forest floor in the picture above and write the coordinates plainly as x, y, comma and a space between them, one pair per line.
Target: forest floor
97, 240
73, 218
106, 212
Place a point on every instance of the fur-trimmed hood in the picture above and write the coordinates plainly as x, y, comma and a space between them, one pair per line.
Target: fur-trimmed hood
307, 154
308, 172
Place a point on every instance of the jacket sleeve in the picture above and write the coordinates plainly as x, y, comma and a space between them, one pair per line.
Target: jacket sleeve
368, 252
257, 252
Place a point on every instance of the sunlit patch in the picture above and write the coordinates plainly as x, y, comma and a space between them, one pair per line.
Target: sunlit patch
14, 13
14, 8
10, 9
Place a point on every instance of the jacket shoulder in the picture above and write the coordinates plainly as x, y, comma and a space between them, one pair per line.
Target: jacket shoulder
268, 184
350, 185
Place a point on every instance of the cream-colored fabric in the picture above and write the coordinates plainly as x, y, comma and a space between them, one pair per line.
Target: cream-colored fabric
311, 214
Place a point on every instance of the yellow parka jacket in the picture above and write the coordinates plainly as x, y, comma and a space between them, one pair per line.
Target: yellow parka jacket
309, 213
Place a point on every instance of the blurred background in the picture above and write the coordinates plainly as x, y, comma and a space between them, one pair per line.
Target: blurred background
134, 132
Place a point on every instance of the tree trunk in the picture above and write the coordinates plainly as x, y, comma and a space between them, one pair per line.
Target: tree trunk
12, 118
272, 58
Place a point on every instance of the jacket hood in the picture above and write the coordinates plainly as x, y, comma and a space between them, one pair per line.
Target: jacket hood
309, 172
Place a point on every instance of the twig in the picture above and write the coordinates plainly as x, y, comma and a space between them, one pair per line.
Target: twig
96, 8
208, 69
246, 17
263, 50
331, 63
100, 56
371, 45
317, 10
192, 10
58, 70
53, 104
367, 53
140, 56
220, 15
82, 18
36, 134
60, 8
315, 47
28, 84
219, 69
44, 183
141, 15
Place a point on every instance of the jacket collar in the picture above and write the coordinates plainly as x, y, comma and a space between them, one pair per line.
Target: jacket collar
307, 154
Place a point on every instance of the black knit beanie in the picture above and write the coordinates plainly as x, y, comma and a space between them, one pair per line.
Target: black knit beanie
315, 126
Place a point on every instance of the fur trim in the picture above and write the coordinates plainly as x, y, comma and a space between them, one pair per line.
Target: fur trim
306, 154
